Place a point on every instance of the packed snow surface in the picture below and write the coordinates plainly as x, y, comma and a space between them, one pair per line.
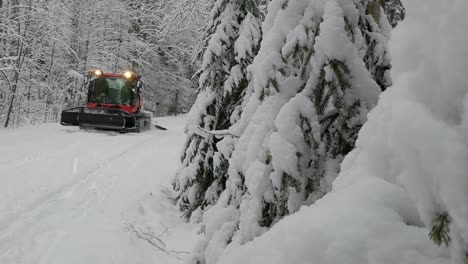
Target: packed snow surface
67, 195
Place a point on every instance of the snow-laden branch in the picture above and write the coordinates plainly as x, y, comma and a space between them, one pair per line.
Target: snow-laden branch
217, 133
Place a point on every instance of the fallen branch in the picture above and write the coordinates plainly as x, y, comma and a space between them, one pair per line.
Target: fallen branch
148, 236
155, 240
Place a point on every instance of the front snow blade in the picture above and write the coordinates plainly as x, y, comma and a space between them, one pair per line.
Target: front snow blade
70, 117
100, 118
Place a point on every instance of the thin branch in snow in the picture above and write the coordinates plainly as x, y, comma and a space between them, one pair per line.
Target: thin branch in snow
155, 240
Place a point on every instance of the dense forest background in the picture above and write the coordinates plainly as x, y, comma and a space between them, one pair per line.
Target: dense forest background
48, 46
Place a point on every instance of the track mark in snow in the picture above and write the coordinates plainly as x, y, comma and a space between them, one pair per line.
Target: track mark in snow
76, 162
8, 227
73, 210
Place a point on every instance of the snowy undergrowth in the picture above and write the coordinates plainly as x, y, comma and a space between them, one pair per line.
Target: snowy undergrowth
409, 165
363, 223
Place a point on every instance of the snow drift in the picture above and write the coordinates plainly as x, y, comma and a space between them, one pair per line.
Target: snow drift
409, 164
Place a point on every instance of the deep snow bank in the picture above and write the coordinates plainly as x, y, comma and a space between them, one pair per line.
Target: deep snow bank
362, 223
409, 165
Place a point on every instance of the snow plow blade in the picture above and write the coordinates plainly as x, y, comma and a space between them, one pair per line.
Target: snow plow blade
99, 118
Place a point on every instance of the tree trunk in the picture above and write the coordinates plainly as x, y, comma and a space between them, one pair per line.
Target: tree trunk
14, 88
10, 109
374, 9
28, 95
176, 106
18, 111
19, 61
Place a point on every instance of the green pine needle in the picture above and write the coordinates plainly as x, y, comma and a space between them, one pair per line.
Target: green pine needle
440, 230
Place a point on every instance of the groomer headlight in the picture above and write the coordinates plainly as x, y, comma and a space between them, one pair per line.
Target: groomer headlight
127, 75
97, 73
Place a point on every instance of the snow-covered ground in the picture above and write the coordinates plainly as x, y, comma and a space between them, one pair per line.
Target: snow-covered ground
67, 196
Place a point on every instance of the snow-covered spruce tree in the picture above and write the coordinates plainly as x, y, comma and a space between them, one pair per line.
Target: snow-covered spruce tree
320, 69
394, 10
233, 41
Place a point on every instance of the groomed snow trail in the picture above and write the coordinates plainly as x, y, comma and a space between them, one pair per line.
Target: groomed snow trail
66, 195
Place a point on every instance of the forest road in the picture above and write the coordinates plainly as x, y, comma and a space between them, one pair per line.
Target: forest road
66, 195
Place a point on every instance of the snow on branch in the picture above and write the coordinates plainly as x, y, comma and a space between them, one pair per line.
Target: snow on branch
217, 133
328, 115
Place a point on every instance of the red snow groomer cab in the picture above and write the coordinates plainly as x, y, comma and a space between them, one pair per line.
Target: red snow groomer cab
115, 102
